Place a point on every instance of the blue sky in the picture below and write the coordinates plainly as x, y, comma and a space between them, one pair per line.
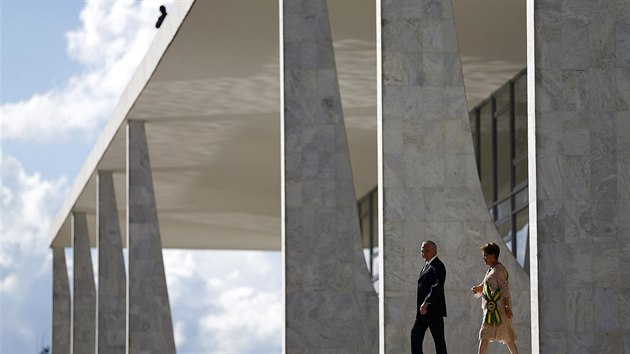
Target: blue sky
34, 60
64, 64
43, 63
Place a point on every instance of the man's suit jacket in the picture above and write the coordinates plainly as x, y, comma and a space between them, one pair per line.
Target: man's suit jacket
431, 288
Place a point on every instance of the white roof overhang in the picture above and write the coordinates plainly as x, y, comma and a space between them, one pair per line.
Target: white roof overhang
209, 92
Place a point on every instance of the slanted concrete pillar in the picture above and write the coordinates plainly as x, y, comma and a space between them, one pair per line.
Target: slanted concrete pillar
430, 184
84, 293
582, 179
112, 284
331, 306
61, 303
149, 316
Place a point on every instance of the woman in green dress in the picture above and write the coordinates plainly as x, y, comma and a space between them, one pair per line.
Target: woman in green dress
495, 302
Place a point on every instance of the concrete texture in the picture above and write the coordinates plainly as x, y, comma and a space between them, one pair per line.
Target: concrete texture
112, 282
430, 184
84, 293
60, 303
150, 324
331, 306
582, 67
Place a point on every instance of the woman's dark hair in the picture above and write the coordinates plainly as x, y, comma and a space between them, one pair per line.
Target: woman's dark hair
491, 248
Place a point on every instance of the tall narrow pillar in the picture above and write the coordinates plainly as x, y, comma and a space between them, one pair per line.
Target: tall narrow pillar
430, 186
582, 179
331, 306
61, 303
84, 297
111, 320
149, 316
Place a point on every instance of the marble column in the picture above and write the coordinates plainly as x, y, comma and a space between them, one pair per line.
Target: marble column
149, 317
582, 179
430, 186
331, 306
84, 293
112, 282
60, 303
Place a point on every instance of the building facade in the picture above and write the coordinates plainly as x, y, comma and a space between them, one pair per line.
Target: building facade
320, 102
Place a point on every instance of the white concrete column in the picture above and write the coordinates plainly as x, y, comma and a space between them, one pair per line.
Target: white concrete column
581, 157
112, 283
61, 303
331, 306
150, 328
430, 186
84, 297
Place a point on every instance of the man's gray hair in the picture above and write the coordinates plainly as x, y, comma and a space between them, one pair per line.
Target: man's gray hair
431, 244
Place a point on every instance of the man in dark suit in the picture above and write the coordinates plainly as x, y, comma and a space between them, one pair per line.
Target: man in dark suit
431, 305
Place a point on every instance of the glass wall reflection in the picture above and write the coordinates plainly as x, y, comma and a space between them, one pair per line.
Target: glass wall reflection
368, 217
499, 129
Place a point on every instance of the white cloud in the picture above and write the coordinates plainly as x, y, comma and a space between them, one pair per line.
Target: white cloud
180, 337
243, 310
28, 203
219, 295
8, 283
110, 43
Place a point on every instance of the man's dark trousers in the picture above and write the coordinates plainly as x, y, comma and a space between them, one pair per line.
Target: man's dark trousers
435, 323
431, 291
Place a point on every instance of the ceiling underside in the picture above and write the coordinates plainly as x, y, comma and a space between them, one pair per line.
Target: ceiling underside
212, 113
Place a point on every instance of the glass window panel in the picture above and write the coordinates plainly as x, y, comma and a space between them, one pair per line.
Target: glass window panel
520, 117
360, 207
504, 210
375, 231
502, 157
365, 231
522, 236
375, 219
502, 99
485, 129
486, 187
505, 232
520, 172
360, 219
374, 251
366, 256
365, 207
504, 160
521, 199
491, 211
375, 279
375, 260
473, 129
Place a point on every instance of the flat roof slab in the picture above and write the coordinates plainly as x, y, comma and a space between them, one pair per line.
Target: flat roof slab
209, 93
